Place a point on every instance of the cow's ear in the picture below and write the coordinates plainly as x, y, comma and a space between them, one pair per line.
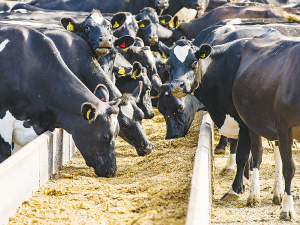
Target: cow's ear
203, 52
165, 49
136, 70
102, 93
118, 20
165, 19
175, 23
124, 42
70, 24
89, 111
144, 23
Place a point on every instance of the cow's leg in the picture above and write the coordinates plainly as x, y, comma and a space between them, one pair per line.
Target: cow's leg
278, 184
229, 168
256, 150
242, 155
220, 149
288, 167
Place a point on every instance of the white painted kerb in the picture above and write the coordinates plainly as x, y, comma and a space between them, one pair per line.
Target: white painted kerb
200, 196
31, 167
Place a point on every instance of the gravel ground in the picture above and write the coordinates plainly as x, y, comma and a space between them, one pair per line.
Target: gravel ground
237, 212
146, 190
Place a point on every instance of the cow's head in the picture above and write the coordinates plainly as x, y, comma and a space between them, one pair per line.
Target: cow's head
178, 113
95, 30
130, 27
161, 4
147, 32
130, 120
95, 134
183, 66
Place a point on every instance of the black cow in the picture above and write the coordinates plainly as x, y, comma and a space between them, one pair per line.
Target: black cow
156, 29
178, 113
95, 30
211, 78
55, 99
78, 58
267, 101
132, 6
191, 29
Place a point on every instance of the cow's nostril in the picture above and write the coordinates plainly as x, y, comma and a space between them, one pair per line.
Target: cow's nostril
182, 85
100, 39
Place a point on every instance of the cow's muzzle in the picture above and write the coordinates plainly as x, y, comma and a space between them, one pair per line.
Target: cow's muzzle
178, 89
153, 40
147, 150
162, 4
104, 47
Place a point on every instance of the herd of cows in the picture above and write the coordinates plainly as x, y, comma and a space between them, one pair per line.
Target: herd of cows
96, 68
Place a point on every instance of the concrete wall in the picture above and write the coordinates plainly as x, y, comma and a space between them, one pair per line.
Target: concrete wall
199, 208
31, 167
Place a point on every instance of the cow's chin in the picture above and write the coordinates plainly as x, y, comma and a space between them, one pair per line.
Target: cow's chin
199, 8
102, 51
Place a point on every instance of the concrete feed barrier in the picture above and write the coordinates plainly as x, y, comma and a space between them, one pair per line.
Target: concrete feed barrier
31, 167
199, 208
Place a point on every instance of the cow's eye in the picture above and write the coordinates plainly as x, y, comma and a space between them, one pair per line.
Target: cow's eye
169, 67
106, 136
87, 27
194, 64
180, 108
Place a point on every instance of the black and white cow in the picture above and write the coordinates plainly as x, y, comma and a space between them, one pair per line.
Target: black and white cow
267, 101
78, 58
55, 99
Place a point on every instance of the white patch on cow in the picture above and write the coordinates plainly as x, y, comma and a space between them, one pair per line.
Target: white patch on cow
287, 205
12, 130
230, 128
21, 134
231, 162
234, 21
128, 19
96, 17
181, 52
278, 183
6, 127
127, 110
3, 44
255, 187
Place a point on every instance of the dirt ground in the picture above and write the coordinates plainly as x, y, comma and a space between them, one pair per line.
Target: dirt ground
146, 190
237, 212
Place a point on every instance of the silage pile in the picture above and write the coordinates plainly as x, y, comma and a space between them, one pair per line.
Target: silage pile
146, 190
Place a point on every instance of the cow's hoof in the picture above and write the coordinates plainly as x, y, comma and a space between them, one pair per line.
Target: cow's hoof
230, 196
253, 202
219, 151
227, 172
287, 215
277, 199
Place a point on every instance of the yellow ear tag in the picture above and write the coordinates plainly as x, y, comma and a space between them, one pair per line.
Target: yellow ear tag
88, 114
133, 75
70, 27
177, 23
165, 61
163, 21
142, 25
125, 50
164, 56
203, 56
171, 25
121, 71
116, 25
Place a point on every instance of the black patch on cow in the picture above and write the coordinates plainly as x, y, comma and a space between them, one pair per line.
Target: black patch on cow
5, 149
